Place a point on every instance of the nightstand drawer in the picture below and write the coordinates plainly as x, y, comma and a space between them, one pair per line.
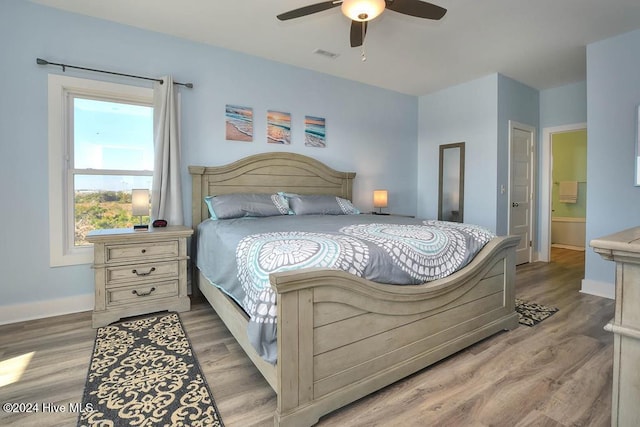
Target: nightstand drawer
118, 253
142, 272
141, 293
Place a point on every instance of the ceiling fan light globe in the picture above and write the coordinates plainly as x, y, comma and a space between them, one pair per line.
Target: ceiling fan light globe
362, 10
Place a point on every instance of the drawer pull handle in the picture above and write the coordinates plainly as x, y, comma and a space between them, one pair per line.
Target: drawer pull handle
137, 273
144, 251
143, 294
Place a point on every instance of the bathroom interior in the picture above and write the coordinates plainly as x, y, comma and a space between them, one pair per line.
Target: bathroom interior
569, 189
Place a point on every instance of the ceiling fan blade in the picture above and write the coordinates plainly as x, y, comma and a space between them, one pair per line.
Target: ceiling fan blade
308, 10
358, 30
417, 8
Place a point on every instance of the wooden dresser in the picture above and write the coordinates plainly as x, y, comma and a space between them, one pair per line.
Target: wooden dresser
624, 249
139, 272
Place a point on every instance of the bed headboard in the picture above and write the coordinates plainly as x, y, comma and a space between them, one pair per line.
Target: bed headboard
266, 173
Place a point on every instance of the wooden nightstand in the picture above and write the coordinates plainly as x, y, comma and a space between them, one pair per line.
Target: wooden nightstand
139, 272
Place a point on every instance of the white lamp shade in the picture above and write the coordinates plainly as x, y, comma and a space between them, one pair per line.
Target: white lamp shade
362, 10
380, 198
140, 202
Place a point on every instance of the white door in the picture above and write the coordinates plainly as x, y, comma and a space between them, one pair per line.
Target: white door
521, 142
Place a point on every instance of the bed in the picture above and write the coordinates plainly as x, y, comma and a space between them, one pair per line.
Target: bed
325, 316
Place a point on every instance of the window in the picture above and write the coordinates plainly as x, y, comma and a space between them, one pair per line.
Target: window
100, 148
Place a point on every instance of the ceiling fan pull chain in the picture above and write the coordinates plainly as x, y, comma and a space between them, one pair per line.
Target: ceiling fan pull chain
364, 56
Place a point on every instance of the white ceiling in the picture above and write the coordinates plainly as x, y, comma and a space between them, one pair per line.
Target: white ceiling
541, 43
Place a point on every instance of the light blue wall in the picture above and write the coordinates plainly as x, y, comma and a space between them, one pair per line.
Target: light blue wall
520, 103
464, 113
613, 87
559, 106
564, 105
478, 113
369, 130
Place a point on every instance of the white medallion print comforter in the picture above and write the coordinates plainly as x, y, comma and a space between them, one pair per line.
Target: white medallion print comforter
238, 255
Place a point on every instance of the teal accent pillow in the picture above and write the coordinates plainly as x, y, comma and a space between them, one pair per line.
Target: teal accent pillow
212, 214
238, 205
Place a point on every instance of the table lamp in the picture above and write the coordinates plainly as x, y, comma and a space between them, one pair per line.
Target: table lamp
140, 206
380, 200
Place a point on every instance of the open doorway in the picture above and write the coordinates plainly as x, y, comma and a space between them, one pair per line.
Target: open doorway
563, 189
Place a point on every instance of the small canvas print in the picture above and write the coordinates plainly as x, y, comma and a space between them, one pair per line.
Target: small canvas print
239, 123
278, 127
314, 132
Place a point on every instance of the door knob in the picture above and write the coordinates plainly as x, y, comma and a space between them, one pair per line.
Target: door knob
514, 205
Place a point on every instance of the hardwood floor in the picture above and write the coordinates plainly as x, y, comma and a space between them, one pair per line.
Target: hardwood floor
558, 373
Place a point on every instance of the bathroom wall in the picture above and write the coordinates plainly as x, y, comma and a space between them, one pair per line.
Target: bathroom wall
569, 150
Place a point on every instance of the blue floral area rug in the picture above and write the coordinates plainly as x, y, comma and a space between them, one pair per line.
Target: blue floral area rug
143, 373
530, 313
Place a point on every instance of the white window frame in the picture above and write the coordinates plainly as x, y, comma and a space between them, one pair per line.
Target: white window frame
62, 251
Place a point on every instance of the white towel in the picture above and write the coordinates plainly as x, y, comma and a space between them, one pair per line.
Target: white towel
568, 192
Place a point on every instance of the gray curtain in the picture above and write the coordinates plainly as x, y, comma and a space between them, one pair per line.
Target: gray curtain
166, 190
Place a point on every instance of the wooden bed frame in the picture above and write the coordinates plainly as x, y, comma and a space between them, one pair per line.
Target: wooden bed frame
341, 337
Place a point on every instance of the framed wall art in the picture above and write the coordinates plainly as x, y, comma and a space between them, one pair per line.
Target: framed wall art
315, 132
278, 127
239, 123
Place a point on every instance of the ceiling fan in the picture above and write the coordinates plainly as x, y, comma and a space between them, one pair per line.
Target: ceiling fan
362, 11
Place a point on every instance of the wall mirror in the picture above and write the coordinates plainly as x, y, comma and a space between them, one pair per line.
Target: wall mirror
451, 182
637, 177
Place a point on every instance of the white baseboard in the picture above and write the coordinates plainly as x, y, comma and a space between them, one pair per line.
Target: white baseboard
538, 256
599, 289
41, 309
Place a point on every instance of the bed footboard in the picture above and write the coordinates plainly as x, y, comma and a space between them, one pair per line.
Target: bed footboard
341, 337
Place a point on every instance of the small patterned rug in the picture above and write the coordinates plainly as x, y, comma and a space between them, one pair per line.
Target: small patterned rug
143, 373
530, 313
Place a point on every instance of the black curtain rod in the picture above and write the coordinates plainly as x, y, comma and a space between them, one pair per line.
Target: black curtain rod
41, 61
